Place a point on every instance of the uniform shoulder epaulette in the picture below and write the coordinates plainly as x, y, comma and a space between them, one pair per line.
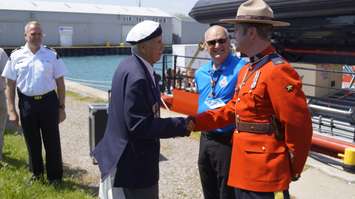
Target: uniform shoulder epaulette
13, 51
277, 59
16, 49
52, 49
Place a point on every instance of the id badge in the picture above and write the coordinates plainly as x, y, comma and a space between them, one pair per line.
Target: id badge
214, 103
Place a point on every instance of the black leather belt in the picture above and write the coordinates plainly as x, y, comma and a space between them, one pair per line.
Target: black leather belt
36, 97
218, 137
250, 127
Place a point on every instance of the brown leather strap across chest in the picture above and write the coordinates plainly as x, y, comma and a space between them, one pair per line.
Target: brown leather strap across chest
250, 127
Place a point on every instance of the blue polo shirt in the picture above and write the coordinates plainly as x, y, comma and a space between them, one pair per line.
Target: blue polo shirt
217, 85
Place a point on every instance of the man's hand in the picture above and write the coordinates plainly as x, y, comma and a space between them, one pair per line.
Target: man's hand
13, 117
62, 115
190, 123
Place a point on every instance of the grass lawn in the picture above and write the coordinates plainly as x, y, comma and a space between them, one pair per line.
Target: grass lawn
14, 177
195, 135
84, 98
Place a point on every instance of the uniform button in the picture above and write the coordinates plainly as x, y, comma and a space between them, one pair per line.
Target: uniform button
237, 116
263, 148
249, 91
238, 99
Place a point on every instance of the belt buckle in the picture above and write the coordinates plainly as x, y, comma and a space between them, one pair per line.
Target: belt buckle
38, 97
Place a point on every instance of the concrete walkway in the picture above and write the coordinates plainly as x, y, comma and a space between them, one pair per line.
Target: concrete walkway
321, 181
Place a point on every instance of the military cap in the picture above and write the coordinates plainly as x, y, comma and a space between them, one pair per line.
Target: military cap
144, 31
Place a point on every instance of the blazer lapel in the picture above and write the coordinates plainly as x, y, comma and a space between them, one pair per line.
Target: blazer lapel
153, 87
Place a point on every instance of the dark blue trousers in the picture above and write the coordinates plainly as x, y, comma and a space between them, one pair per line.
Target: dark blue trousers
213, 165
40, 122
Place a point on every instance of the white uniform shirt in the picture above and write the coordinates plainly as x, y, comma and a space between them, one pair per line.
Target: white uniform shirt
35, 74
3, 60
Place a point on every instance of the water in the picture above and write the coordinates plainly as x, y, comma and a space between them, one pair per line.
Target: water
96, 71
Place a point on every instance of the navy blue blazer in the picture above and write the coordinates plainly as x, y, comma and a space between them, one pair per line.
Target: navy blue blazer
131, 140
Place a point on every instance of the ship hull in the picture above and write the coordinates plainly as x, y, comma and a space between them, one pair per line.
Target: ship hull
321, 31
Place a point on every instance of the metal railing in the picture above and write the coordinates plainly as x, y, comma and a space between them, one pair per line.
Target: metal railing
175, 76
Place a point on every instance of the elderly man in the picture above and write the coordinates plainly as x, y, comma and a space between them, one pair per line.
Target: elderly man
3, 112
216, 83
128, 154
37, 74
273, 125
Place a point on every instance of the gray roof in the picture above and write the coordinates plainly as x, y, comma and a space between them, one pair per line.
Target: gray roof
46, 6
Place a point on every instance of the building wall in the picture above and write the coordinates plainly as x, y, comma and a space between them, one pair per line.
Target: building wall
192, 32
176, 30
12, 28
88, 29
186, 31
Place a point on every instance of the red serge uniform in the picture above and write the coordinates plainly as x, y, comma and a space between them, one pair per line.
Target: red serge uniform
268, 88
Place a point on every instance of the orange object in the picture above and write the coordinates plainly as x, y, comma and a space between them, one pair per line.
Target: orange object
347, 77
260, 162
185, 102
329, 146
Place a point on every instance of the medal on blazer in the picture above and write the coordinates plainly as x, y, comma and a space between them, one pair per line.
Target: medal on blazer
156, 110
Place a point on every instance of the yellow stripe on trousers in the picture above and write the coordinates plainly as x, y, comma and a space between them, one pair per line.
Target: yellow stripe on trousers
279, 195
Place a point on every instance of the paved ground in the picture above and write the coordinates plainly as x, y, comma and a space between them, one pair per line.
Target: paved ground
178, 169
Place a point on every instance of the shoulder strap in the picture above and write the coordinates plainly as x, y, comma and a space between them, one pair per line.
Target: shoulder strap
52, 49
277, 59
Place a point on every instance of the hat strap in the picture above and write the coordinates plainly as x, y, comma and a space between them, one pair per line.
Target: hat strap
253, 17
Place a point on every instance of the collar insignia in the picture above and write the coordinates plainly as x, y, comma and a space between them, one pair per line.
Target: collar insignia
289, 88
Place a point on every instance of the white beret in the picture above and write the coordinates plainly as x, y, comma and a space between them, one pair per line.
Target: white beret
144, 31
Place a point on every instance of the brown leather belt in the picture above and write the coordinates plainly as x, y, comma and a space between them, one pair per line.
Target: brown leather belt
250, 127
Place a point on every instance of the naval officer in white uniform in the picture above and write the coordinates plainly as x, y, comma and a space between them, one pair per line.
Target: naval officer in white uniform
37, 74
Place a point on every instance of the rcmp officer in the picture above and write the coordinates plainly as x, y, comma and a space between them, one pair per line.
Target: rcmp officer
128, 154
273, 125
37, 74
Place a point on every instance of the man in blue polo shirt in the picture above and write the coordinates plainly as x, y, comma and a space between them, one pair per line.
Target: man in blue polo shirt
216, 83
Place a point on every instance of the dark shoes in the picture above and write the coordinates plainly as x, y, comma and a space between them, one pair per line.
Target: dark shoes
56, 182
41, 179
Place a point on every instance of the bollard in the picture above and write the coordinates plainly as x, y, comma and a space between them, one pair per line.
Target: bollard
348, 159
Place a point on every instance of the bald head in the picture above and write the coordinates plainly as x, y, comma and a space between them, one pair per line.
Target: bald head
214, 30
217, 44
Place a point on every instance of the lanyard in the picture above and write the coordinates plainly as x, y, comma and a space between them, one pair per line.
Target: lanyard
215, 75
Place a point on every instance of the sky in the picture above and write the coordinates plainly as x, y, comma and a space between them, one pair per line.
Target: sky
169, 6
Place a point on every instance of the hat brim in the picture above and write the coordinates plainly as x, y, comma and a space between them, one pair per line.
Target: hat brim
259, 21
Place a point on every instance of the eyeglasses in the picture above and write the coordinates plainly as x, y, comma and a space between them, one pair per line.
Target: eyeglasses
213, 42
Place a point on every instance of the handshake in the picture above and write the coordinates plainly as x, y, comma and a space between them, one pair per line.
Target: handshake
190, 123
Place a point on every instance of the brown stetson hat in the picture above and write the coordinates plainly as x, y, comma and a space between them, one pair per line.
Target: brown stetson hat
255, 11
